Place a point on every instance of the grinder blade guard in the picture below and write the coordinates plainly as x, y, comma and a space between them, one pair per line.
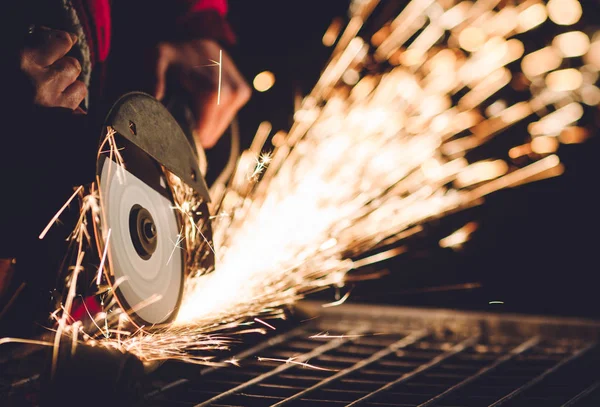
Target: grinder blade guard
154, 213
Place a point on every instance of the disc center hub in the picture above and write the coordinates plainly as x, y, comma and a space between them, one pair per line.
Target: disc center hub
143, 231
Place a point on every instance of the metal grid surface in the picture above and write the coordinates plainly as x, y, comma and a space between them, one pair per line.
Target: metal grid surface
378, 356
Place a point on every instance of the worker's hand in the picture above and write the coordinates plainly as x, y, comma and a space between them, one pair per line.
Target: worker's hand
195, 64
52, 74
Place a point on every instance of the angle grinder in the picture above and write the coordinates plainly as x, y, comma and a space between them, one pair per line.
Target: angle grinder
152, 196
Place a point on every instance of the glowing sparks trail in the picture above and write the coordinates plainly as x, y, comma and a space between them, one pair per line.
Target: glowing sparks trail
325, 335
26, 341
176, 245
57, 215
261, 164
101, 266
338, 302
293, 361
264, 323
371, 156
220, 75
364, 163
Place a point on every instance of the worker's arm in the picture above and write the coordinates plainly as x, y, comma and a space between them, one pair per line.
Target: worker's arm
216, 98
187, 39
198, 39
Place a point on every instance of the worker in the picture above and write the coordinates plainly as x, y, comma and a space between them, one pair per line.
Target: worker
64, 62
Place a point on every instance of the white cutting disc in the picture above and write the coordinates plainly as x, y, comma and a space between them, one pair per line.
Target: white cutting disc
140, 281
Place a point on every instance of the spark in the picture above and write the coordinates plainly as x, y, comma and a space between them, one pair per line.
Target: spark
106, 335
6, 340
206, 241
293, 361
101, 266
142, 304
379, 257
233, 361
62, 323
460, 236
264, 323
220, 75
325, 335
60, 211
114, 153
74, 336
218, 63
176, 245
261, 164
338, 302
110, 151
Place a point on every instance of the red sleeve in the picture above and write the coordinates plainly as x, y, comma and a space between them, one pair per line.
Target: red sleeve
206, 18
220, 6
201, 19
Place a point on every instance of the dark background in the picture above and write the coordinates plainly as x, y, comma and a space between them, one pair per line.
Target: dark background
536, 248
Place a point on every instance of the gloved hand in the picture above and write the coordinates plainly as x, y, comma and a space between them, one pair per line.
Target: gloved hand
192, 64
53, 74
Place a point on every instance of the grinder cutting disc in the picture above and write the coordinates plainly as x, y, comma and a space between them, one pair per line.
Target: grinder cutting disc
147, 263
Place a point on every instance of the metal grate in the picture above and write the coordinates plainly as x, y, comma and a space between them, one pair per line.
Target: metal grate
377, 356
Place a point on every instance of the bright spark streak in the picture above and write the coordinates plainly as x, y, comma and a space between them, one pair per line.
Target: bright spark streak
338, 302
264, 323
106, 335
261, 164
233, 361
326, 335
4, 341
176, 245
60, 211
376, 258
101, 266
110, 151
206, 241
67, 308
295, 362
220, 75
143, 304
